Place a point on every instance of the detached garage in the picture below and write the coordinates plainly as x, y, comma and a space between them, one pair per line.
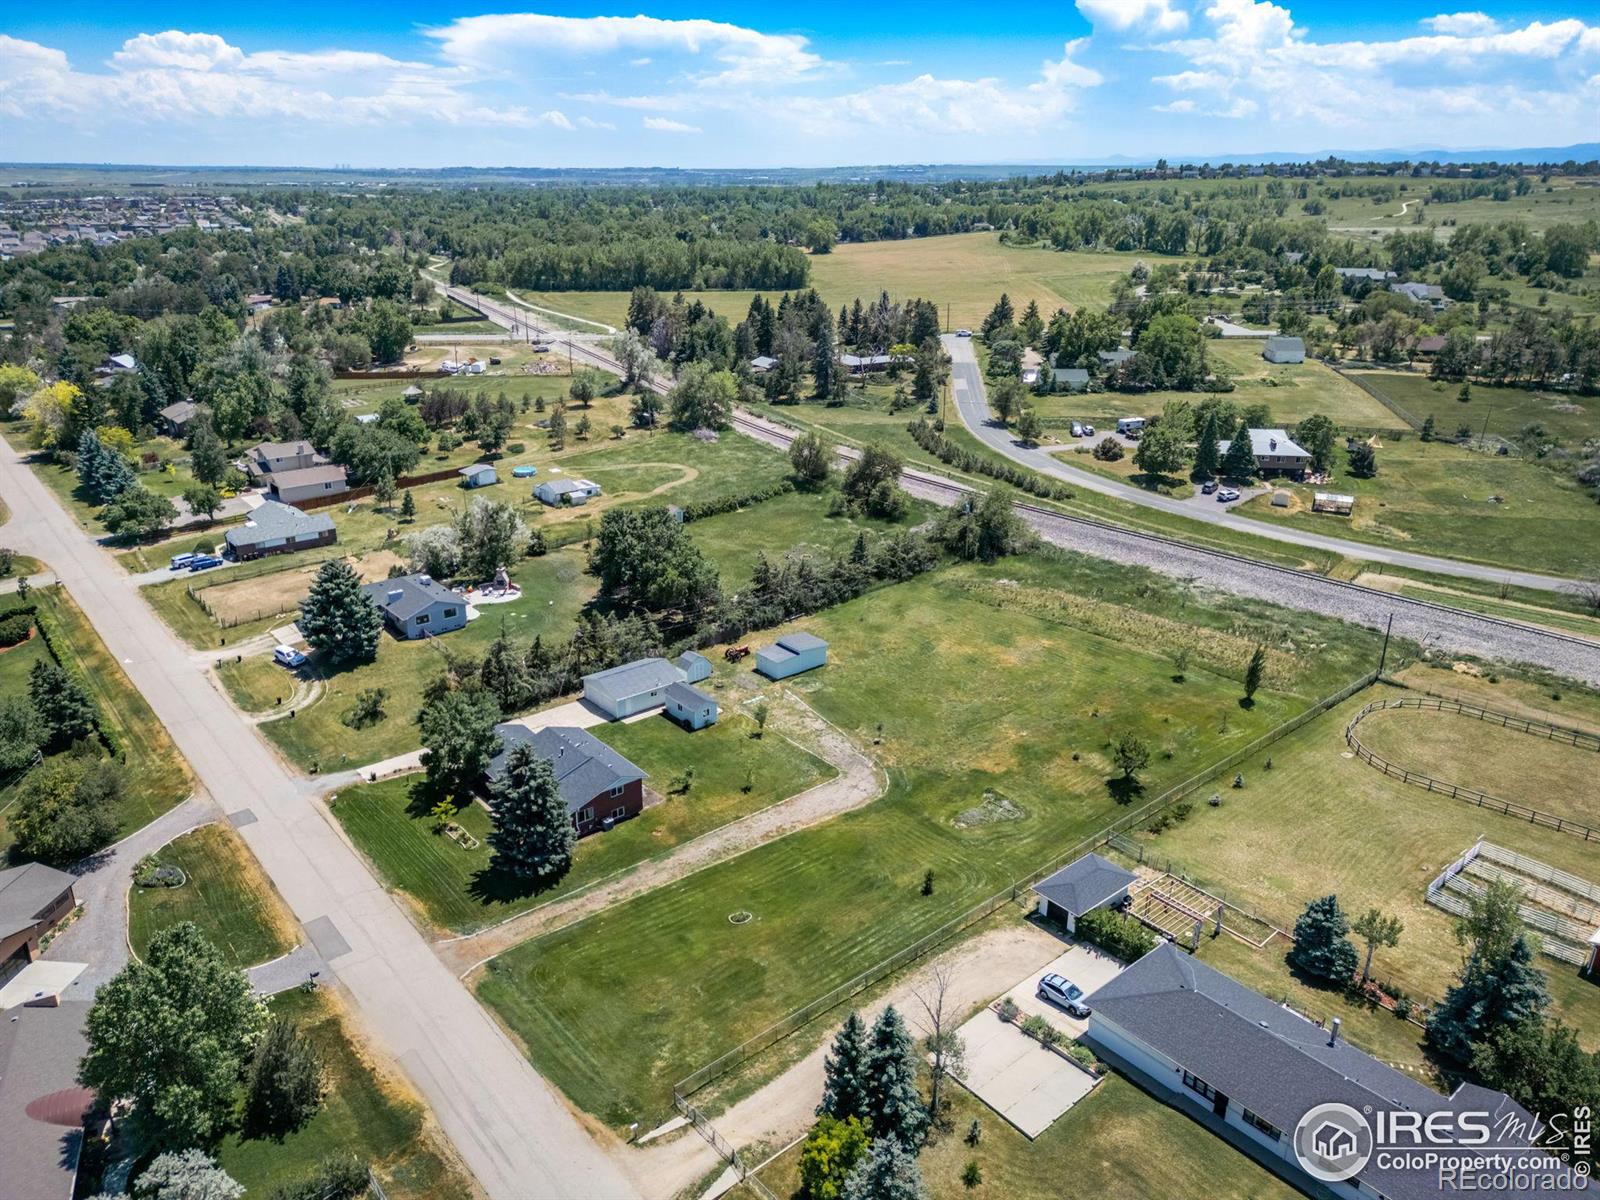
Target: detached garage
792, 654
1084, 884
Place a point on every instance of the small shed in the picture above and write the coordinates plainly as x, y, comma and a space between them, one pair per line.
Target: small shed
791, 654
1084, 884
412, 394
1333, 502
695, 667
690, 707
478, 475
1281, 349
556, 492
1281, 498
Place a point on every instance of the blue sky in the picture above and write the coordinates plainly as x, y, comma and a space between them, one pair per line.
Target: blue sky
717, 84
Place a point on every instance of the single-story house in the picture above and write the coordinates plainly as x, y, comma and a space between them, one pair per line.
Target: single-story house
762, 363
175, 418
269, 458
1084, 884
1283, 349
791, 654
117, 364
599, 786
1114, 358
415, 606
274, 528
866, 364
689, 706
1333, 502
694, 666
1422, 293
1429, 346
1275, 451
632, 688
556, 492
308, 483
1072, 379
41, 1102
367, 418
478, 475
34, 899
1370, 273
258, 301
1253, 1071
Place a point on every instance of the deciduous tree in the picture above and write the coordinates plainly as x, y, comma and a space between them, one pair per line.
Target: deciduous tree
458, 731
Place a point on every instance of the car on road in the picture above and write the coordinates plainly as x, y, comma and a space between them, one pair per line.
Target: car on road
288, 656
1060, 990
180, 562
1227, 494
963, 333
203, 562
1208, 487
524, 471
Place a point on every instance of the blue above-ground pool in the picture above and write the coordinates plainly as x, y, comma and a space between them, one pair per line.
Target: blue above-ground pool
523, 472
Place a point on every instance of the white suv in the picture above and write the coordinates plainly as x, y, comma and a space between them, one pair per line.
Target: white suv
1060, 990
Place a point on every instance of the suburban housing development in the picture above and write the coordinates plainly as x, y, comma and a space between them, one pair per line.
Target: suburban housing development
1051, 652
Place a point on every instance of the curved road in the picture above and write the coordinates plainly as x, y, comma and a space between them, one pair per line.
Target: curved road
513, 1131
972, 403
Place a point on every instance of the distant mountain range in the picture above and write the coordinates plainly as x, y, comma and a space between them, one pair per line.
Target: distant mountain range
66, 175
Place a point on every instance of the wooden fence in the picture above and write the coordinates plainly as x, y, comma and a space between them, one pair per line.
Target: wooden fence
360, 493
1472, 795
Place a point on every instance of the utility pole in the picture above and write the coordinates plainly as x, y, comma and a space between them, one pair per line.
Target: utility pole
1383, 655
1483, 438
947, 328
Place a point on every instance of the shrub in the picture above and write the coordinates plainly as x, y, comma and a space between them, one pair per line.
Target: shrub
1008, 1009
927, 435
203, 546
15, 629
515, 448
1109, 449
1116, 934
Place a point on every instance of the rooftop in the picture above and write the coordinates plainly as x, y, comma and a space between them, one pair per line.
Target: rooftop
273, 519
800, 641
630, 679
1265, 442
26, 892
283, 449
1084, 884
301, 476
406, 595
584, 765
41, 1104
688, 694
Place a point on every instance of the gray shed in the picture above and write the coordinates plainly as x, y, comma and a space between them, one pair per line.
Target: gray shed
691, 707
478, 475
1085, 883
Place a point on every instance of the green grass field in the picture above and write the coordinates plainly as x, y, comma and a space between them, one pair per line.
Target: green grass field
1119, 1143
1321, 822
1436, 498
454, 888
979, 686
1291, 391
1505, 411
224, 894
366, 1111
966, 271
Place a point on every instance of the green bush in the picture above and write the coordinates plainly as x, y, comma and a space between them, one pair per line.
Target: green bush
15, 629
1116, 934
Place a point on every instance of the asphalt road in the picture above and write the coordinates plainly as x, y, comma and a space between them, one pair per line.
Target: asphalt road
972, 403
511, 1128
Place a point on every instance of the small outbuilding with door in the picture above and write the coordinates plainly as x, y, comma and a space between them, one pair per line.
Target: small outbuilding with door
791, 654
1082, 885
1283, 349
690, 707
632, 688
478, 475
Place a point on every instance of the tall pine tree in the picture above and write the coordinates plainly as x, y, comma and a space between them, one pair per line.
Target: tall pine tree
502, 674
1206, 457
285, 1085
337, 618
844, 1090
894, 1105
888, 1172
533, 835
1240, 460
1321, 947
65, 708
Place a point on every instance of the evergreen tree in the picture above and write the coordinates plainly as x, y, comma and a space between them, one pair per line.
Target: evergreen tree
1240, 460
1363, 460
408, 506
338, 619
458, 731
285, 1085
1255, 672
1427, 428
185, 1175
844, 1089
1490, 994
533, 834
1541, 1065
1321, 947
894, 1105
1206, 458
63, 705
825, 368
502, 674
889, 1172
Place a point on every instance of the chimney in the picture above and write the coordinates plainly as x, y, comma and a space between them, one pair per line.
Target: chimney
1334, 1036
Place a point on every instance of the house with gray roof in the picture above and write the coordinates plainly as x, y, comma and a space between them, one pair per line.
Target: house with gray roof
1114, 358
556, 492
1422, 293
34, 898
1276, 452
1256, 1073
269, 458
308, 483
762, 363
417, 606
1371, 274
1281, 348
1069, 379
274, 528
691, 707
598, 785
175, 418
791, 654
632, 688
42, 1105
1086, 883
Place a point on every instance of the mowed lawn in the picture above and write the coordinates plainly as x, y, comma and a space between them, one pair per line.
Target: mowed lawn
1321, 822
966, 271
1118, 1143
367, 1111
1505, 410
454, 887
1291, 392
224, 893
976, 702
1438, 498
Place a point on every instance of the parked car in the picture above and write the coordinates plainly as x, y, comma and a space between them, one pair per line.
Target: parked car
204, 562
524, 471
1227, 494
1060, 990
289, 656
1208, 487
180, 562
1088, 431
963, 333
1077, 429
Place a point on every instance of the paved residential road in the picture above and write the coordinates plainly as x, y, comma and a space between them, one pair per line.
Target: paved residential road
972, 403
511, 1128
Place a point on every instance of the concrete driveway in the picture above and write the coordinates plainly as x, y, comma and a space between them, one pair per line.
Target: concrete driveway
1027, 1084
1084, 966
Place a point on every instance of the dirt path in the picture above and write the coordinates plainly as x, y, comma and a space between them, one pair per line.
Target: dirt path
782, 1109
859, 781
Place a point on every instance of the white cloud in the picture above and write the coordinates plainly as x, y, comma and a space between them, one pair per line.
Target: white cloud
1462, 23
1158, 16
666, 125
506, 40
1176, 106
1193, 81
186, 51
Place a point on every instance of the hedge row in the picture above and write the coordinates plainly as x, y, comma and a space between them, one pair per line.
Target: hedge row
712, 508
56, 642
935, 443
1116, 934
